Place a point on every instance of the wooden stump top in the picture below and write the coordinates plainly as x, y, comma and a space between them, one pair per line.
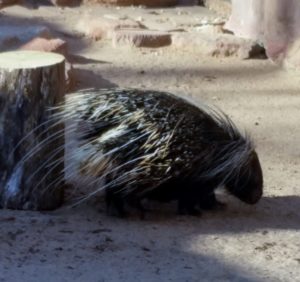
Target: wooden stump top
28, 59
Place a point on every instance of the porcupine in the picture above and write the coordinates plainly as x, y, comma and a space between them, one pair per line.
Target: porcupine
155, 145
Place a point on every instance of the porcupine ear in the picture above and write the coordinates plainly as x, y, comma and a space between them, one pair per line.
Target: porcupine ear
248, 185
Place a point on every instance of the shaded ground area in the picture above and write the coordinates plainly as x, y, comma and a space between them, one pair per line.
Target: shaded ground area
242, 243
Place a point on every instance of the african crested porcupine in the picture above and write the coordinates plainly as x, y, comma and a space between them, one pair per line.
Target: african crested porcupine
140, 144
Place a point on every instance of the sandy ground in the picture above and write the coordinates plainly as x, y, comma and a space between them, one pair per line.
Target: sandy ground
242, 243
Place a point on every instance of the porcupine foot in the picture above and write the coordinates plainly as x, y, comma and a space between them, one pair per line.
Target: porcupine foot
114, 204
185, 208
210, 202
137, 204
187, 204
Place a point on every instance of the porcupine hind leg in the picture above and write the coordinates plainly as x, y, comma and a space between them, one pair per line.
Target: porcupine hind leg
136, 203
114, 203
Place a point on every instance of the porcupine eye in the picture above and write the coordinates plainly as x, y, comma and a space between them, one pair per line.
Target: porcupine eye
249, 186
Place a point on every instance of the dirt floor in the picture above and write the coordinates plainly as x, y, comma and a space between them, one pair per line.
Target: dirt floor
242, 243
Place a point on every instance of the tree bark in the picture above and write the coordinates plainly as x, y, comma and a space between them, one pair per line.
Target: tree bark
31, 155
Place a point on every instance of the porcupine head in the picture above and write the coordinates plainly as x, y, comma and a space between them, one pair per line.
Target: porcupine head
248, 185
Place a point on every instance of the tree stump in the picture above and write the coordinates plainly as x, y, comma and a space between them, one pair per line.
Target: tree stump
31, 141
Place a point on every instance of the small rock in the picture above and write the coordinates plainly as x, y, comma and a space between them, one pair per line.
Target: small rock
269, 257
153, 13
108, 239
66, 231
218, 21
141, 38
146, 3
114, 17
146, 249
140, 19
222, 7
33, 250
210, 78
100, 28
204, 22
97, 231
210, 29
63, 2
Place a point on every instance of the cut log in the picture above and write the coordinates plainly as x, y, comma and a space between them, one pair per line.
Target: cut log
31, 143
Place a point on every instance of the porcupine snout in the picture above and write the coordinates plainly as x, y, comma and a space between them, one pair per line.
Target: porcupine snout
249, 186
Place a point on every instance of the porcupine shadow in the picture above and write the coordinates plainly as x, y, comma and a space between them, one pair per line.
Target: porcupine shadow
279, 212
271, 213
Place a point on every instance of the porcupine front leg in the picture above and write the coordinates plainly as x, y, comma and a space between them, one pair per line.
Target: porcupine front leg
187, 200
206, 196
197, 194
